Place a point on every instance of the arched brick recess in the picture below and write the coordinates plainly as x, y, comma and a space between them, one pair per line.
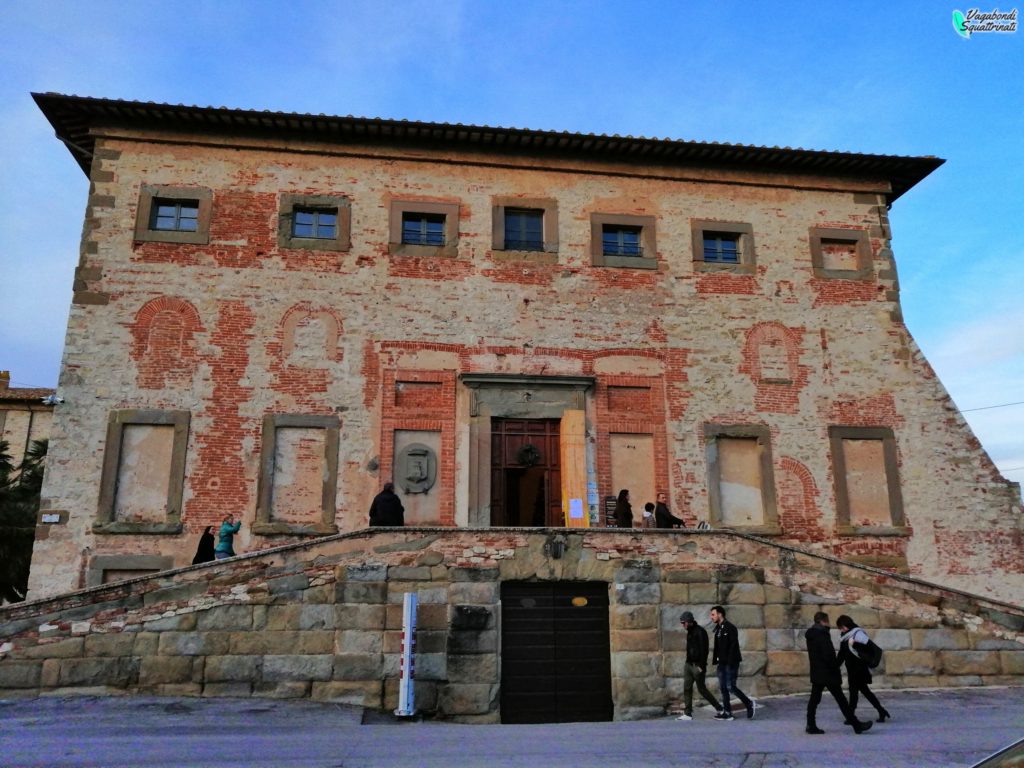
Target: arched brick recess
799, 514
303, 351
163, 343
771, 358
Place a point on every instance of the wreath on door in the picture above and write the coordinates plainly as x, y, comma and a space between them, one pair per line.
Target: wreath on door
528, 456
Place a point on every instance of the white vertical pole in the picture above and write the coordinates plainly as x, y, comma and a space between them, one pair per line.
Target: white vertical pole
406, 695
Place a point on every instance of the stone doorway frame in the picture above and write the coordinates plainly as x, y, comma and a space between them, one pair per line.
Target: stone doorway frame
511, 396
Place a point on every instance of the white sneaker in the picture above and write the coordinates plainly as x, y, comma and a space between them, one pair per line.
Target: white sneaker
684, 716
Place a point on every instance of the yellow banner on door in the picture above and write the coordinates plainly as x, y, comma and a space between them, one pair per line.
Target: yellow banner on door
573, 451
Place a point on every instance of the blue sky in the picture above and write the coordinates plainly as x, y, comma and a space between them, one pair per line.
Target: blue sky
888, 78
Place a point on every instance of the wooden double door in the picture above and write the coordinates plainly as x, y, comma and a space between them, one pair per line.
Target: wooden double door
526, 480
555, 652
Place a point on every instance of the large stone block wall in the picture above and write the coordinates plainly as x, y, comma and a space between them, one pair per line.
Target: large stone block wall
323, 620
211, 330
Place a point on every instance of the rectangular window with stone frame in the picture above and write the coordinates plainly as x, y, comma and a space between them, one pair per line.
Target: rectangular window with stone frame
169, 214
424, 229
865, 467
725, 246
840, 254
298, 479
623, 240
143, 476
314, 222
741, 479
525, 229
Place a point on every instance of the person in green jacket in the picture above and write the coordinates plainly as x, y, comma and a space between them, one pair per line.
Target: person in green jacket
228, 529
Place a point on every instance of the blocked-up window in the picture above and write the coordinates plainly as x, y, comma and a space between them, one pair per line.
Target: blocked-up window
868, 496
741, 485
298, 475
840, 253
143, 472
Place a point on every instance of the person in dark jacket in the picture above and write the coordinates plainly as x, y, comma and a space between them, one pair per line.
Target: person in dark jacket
696, 665
663, 518
204, 552
226, 538
387, 508
623, 510
727, 657
858, 673
825, 674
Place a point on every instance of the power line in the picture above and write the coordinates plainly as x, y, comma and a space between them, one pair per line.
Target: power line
989, 407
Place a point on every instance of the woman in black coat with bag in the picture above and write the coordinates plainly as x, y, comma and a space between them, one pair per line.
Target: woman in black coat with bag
858, 673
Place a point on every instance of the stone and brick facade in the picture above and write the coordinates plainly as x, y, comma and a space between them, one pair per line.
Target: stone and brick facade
254, 331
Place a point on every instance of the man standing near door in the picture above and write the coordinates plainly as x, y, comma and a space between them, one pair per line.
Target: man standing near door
728, 657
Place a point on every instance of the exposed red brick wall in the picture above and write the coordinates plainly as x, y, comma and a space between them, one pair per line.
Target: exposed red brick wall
799, 511
969, 552
219, 482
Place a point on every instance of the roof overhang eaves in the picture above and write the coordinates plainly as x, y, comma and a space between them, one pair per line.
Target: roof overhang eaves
73, 118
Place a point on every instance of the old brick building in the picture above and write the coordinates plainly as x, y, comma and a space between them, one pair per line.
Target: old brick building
274, 313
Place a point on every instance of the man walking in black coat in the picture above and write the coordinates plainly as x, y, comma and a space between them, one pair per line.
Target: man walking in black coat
825, 674
696, 665
728, 657
387, 508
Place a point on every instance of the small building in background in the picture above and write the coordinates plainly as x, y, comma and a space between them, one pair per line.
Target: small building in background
24, 417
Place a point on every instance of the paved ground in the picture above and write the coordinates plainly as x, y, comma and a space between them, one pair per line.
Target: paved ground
929, 728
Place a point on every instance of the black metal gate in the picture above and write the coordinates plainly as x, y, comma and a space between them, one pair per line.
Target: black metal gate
555, 652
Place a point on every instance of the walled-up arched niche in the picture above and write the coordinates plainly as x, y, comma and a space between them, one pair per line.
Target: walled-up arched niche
309, 337
772, 354
163, 345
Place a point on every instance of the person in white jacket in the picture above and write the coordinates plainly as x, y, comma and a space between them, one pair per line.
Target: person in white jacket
858, 673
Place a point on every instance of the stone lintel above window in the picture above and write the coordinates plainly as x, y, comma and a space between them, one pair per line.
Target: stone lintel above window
647, 258
843, 254
450, 211
201, 196
746, 262
338, 204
